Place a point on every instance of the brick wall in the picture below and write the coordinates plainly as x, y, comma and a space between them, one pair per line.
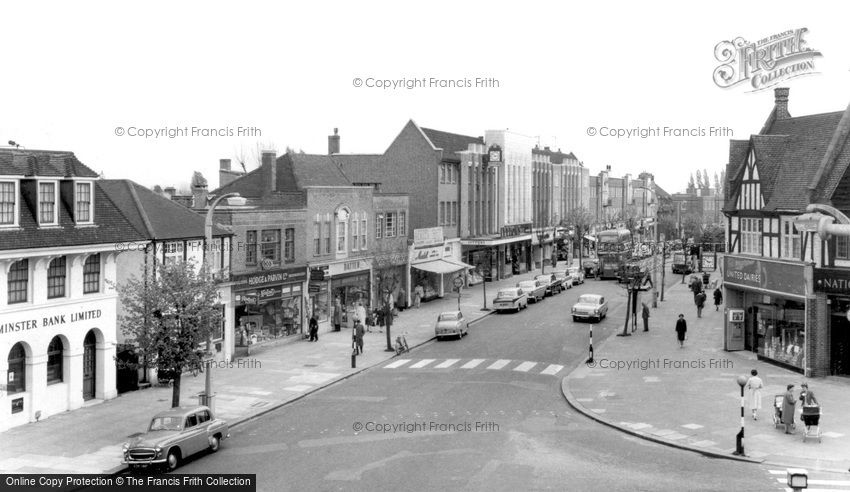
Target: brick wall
817, 336
243, 221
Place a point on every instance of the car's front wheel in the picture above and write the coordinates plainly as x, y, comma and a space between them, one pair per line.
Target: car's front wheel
215, 443
173, 460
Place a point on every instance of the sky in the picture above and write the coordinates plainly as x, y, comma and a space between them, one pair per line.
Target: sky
94, 77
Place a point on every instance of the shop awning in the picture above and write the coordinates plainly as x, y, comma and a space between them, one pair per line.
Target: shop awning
442, 266
590, 238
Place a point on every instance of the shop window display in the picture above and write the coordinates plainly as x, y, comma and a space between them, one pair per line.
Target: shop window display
781, 332
269, 319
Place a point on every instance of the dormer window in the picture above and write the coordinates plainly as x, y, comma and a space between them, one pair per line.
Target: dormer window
83, 202
8, 203
47, 206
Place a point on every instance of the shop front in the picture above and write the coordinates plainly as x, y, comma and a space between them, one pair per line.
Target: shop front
349, 285
433, 269
834, 285
498, 258
269, 307
768, 303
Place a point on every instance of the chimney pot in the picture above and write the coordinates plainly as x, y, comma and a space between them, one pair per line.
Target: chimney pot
333, 143
269, 163
224, 164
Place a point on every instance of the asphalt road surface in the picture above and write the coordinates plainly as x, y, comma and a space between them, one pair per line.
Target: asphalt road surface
482, 413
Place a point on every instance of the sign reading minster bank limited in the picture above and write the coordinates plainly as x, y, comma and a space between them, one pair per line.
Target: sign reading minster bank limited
33, 323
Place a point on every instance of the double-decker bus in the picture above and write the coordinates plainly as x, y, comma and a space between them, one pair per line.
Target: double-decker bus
614, 249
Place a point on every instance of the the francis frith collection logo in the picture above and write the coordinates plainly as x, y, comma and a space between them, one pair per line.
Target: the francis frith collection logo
764, 63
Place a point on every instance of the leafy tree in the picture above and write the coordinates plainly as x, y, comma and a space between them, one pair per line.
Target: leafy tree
691, 185
580, 220
699, 180
631, 217
693, 225
169, 316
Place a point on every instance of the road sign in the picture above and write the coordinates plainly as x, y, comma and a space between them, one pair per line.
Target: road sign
458, 282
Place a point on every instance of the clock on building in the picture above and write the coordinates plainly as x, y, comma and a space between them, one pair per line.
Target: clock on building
495, 154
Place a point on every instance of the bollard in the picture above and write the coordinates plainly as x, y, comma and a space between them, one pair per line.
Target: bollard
739, 439
590, 356
354, 359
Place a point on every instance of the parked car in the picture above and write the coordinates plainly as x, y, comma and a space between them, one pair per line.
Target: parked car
590, 306
174, 435
451, 323
510, 299
535, 289
564, 277
576, 275
553, 285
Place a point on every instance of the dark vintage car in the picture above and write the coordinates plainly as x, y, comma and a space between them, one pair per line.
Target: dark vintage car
535, 289
174, 435
553, 284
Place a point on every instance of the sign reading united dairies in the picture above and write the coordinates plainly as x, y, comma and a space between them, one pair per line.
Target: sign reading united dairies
57, 319
766, 62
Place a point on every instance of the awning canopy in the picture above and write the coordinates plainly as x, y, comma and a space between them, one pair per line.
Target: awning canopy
444, 265
590, 238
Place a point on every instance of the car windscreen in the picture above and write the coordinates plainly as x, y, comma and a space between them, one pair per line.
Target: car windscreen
507, 294
165, 423
448, 317
528, 285
588, 300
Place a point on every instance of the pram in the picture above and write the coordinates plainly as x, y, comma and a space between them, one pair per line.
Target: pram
811, 418
777, 411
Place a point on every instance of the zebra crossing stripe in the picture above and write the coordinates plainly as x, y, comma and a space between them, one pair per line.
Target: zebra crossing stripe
447, 363
422, 363
472, 364
525, 366
499, 364
552, 369
397, 363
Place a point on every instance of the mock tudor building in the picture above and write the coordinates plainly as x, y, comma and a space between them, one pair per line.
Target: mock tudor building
786, 289
58, 237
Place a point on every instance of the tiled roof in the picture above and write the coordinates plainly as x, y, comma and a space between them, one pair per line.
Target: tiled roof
293, 172
367, 167
110, 226
156, 216
451, 143
47, 163
662, 195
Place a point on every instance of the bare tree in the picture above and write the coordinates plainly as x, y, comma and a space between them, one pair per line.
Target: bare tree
580, 219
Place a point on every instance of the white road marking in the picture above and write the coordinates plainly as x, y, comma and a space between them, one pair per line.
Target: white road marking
472, 364
397, 363
552, 369
499, 364
422, 363
525, 366
447, 363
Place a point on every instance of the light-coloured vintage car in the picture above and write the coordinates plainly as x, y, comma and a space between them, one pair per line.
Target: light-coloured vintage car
535, 289
590, 306
510, 299
564, 277
576, 274
174, 435
451, 323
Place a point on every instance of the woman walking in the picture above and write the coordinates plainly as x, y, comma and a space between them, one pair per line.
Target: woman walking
755, 385
681, 330
718, 298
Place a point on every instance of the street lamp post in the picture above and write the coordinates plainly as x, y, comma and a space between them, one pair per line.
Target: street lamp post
208, 266
739, 439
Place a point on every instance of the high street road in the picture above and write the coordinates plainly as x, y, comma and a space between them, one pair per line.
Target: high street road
481, 413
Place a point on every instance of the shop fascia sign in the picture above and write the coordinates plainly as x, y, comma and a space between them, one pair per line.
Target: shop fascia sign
832, 280
274, 277
516, 230
348, 266
428, 236
34, 323
779, 277
421, 255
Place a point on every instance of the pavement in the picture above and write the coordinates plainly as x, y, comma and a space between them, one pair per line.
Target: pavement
648, 386
90, 439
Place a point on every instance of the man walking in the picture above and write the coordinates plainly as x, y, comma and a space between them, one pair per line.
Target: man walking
681, 330
700, 302
645, 315
358, 338
314, 329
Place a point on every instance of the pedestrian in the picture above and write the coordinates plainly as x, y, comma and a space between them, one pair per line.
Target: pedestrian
700, 302
645, 315
388, 319
788, 404
402, 300
681, 330
418, 294
718, 298
807, 396
314, 329
755, 385
358, 337
337, 314
360, 314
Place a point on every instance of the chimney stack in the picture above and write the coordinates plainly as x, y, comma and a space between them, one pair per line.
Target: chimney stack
224, 164
199, 191
169, 192
269, 164
333, 143
781, 103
